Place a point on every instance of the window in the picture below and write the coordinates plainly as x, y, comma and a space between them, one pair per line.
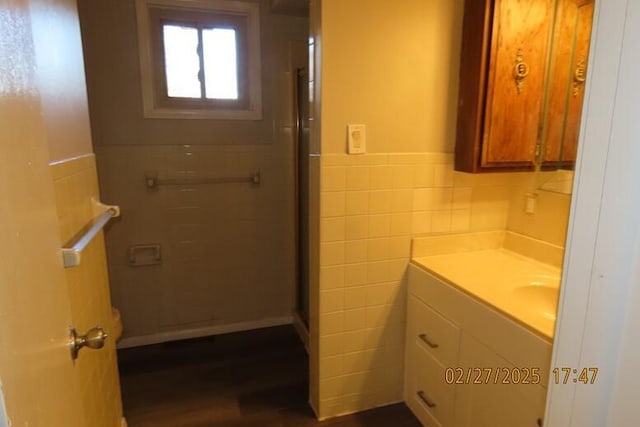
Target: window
200, 59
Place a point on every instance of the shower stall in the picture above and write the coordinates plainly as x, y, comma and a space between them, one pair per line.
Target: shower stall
302, 196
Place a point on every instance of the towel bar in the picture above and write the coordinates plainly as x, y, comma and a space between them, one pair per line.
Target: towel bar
71, 256
153, 182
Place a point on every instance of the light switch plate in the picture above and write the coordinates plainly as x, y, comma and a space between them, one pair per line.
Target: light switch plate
530, 203
357, 139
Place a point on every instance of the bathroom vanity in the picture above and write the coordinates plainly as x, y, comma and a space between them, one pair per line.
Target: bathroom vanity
479, 333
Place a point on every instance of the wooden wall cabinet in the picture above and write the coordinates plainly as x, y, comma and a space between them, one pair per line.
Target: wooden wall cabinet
566, 83
504, 76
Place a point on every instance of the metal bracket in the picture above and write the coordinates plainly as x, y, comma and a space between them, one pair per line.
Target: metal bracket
99, 208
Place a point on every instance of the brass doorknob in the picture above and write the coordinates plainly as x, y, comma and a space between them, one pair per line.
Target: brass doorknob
94, 339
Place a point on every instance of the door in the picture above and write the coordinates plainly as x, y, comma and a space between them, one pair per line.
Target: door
501, 402
517, 71
40, 384
568, 68
36, 369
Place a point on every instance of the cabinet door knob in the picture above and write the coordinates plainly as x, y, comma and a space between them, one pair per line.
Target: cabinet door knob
520, 70
579, 75
427, 341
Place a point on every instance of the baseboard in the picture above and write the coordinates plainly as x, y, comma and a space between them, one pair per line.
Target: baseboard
301, 328
160, 337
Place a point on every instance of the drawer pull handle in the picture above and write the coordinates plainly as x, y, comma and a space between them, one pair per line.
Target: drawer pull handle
421, 394
426, 340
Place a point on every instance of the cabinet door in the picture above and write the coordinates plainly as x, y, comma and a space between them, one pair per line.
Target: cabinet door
495, 405
568, 69
516, 81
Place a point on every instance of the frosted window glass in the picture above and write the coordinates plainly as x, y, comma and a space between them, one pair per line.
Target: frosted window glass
220, 63
182, 61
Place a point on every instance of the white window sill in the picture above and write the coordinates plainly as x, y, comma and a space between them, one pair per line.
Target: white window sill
166, 113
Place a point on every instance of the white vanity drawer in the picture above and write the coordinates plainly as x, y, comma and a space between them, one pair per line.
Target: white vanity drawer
435, 334
428, 394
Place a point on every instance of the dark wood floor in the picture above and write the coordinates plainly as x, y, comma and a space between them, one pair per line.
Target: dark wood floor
256, 378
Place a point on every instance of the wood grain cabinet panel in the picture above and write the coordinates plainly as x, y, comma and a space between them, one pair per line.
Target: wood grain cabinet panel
504, 75
519, 43
567, 76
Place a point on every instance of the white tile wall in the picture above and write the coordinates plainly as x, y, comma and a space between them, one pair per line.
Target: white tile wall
228, 249
76, 184
371, 206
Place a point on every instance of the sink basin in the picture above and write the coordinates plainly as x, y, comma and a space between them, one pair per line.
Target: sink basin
522, 288
538, 299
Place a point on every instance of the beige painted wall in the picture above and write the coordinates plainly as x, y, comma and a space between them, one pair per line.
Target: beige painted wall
392, 65
60, 72
228, 250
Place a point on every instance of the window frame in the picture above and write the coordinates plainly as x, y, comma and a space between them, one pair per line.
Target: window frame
239, 15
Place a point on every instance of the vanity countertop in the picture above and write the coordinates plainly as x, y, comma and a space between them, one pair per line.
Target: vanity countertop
523, 288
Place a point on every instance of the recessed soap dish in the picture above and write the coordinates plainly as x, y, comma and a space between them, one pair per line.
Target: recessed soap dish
144, 255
